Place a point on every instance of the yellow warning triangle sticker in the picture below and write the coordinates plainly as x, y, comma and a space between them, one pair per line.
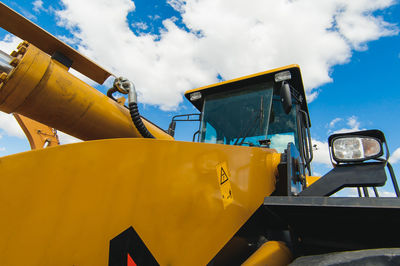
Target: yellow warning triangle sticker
224, 184
223, 177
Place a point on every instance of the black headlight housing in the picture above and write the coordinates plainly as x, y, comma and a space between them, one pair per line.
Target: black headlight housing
356, 147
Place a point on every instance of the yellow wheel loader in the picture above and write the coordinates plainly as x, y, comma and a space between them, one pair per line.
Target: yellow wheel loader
242, 193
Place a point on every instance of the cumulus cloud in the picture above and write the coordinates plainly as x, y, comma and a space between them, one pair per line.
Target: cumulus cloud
280, 142
37, 5
321, 153
395, 157
140, 25
66, 139
225, 38
9, 43
386, 193
353, 125
334, 121
10, 126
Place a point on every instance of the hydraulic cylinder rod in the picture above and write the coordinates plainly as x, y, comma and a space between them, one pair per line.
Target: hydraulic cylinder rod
42, 89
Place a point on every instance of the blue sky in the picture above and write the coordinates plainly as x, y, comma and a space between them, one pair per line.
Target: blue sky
349, 53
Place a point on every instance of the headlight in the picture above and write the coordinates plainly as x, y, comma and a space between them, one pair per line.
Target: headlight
353, 149
195, 96
282, 76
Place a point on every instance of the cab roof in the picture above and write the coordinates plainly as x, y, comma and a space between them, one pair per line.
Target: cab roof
266, 76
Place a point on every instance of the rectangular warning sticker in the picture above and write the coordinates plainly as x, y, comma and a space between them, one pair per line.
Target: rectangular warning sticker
224, 184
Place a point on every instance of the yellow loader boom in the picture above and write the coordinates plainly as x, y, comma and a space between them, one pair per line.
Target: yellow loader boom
41, 88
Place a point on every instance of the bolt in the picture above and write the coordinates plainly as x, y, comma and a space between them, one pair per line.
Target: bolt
23, 44
22, 50
3, 76
14, 62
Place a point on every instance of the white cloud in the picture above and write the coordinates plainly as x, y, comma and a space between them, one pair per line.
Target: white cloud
226, 38
155, 17
82, 77
386, 193
66, 139
395, 157
334, 121
10, 126
2, 148
68, 40
368, 27
280, 141
178, 5
321, 153
9, 43
37, 5
346, 192
353, 123
140, 25
311, 96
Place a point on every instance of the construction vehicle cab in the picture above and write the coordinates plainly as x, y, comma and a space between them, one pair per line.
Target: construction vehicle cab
267, 109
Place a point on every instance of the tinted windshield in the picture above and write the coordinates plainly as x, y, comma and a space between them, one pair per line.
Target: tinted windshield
282, 127
245, 116
238, 117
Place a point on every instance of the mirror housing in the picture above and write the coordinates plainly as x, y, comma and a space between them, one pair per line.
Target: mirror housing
286, 97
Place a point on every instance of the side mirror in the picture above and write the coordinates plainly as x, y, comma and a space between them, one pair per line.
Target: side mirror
171, 128
286, 97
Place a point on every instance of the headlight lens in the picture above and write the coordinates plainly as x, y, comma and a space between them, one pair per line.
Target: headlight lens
195, 96
348, 149
282, 76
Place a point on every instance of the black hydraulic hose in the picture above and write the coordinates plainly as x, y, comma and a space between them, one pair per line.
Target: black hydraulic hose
124, 86
137, 121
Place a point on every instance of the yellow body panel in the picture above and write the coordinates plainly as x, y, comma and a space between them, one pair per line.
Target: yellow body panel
311, 179
169, 191
42, 89
272, 253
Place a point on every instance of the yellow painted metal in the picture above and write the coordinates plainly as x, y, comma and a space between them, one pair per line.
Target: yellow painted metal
92, 191
13, 22
243, 78
38, 134
271, 253
42, 89
311, 179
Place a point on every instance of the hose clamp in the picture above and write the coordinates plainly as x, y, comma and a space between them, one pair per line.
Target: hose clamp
124, 86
